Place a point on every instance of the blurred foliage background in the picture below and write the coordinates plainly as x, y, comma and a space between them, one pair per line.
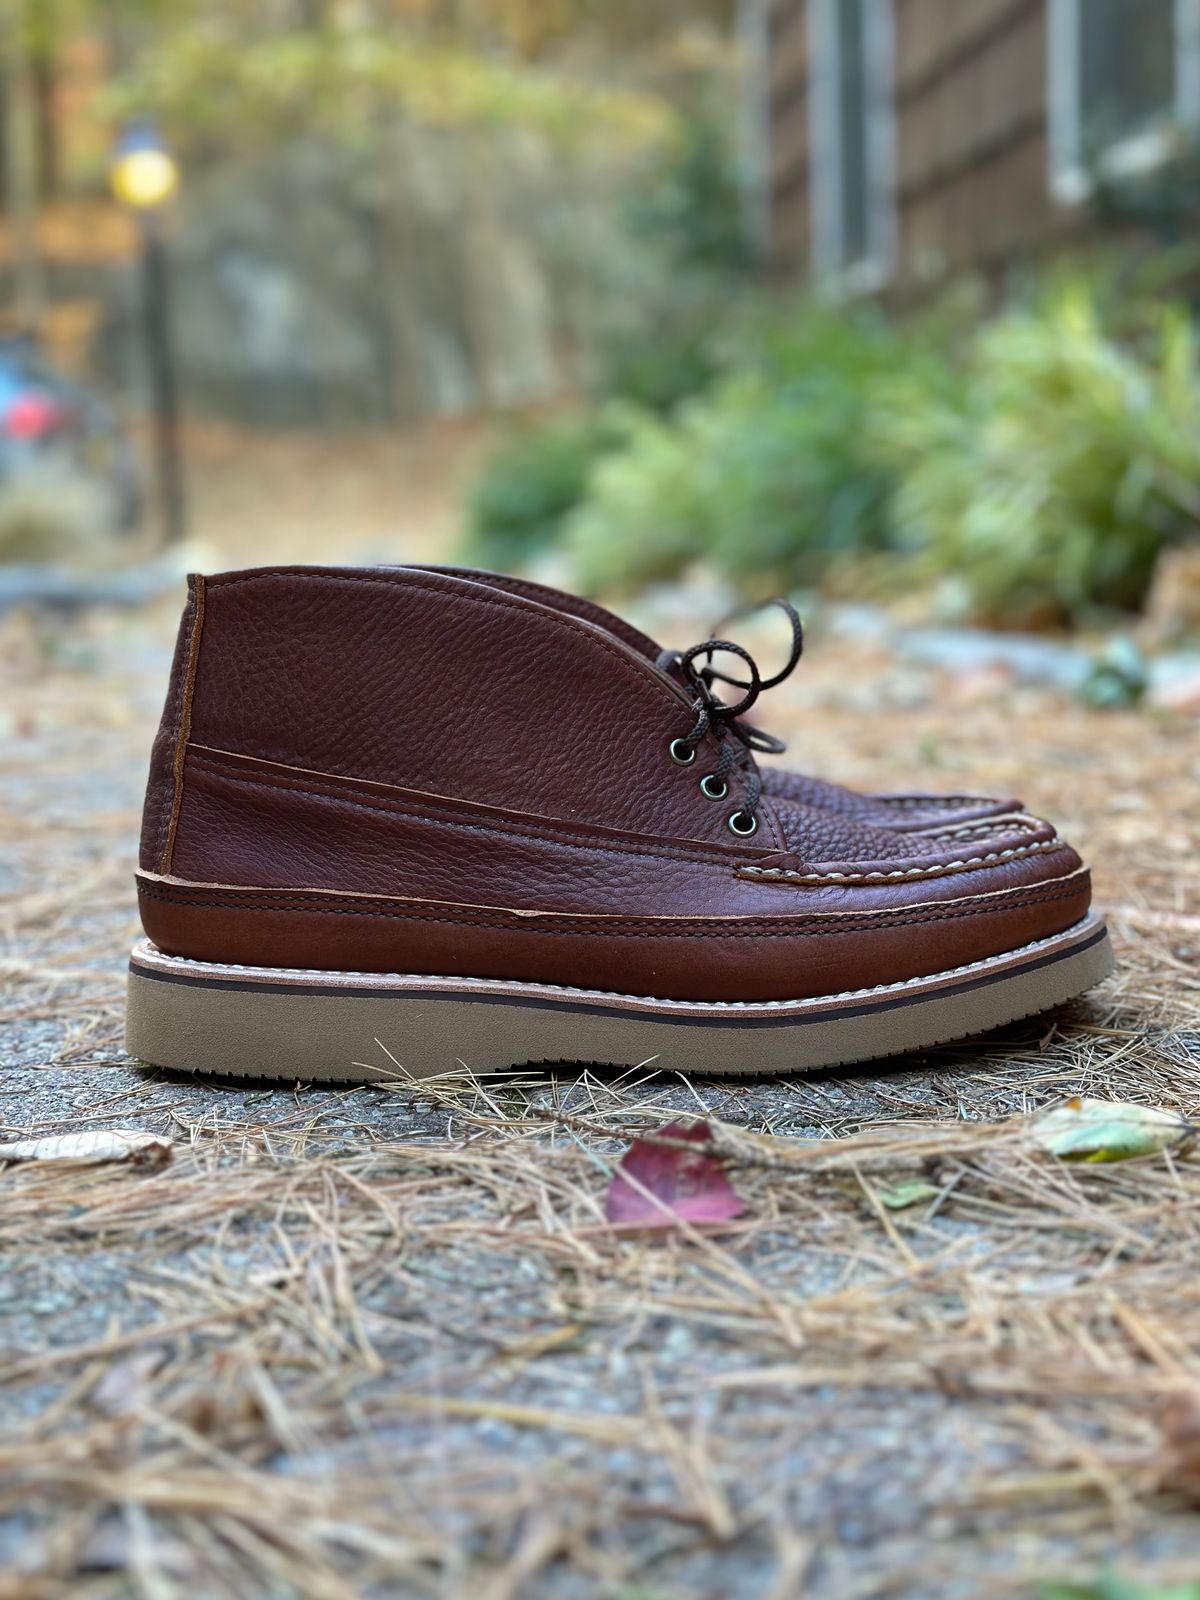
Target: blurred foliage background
1025, 468
536, 212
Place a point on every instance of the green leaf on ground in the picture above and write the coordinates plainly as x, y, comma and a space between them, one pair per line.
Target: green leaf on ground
1119, 676
1113, 1587
909, 1193
1110, 1130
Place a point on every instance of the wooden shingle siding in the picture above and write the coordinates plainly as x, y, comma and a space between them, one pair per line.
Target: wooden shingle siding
789, 136
971, 125
971, 158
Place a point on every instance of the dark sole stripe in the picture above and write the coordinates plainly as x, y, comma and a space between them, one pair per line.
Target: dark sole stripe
630, 1013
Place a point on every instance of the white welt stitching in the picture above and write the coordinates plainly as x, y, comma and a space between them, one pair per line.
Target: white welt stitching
933, 802
983, 830
790, 875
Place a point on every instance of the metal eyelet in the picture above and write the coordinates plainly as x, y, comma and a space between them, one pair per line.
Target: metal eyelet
713, 788
737, 823
681, 752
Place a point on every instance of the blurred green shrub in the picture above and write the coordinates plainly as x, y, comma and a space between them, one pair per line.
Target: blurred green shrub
1046, 474
528, 486
644, 516
693, 211
671, 300
1032, 464
768, 474
662, 367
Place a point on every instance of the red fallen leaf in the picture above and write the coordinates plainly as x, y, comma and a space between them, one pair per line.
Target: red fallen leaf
656, 1185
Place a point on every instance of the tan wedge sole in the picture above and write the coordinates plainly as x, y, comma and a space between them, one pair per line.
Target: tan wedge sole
261, 1022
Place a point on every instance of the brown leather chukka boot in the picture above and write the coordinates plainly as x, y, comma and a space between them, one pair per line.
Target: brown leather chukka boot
912, 812
398, 818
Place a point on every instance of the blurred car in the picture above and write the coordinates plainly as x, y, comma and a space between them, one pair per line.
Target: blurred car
52, 427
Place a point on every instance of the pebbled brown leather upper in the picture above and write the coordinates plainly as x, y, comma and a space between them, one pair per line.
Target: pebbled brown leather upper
915, 810
403, 770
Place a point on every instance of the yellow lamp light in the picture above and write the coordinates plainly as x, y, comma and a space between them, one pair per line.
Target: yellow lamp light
144, 177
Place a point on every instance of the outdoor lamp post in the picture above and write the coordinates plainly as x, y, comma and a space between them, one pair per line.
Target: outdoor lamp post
144, 177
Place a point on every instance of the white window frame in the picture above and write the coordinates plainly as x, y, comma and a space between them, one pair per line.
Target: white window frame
827, 221
1070, 180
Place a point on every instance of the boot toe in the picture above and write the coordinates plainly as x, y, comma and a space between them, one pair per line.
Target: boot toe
899, 907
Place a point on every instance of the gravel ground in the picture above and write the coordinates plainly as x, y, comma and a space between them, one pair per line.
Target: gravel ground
381, 1342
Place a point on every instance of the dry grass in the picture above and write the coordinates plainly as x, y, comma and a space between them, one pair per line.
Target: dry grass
382, 1342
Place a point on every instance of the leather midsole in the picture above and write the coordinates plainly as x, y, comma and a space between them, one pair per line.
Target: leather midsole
717, 959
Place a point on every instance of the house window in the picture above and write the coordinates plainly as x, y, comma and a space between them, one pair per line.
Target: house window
1124, 77
851, 140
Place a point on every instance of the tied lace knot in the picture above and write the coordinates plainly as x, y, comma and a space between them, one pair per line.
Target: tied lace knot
738, 740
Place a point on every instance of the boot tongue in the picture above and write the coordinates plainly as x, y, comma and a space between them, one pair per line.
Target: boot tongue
669, 662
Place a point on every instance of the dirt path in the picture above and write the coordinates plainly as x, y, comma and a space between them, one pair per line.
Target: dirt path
380, 494
381, 1343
